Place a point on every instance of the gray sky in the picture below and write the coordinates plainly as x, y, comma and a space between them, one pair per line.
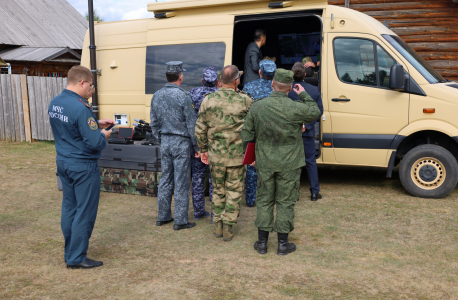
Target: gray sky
115, 10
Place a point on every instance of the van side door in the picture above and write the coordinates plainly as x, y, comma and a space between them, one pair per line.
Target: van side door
366, 115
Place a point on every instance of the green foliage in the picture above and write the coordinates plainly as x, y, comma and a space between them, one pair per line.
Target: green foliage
96, 16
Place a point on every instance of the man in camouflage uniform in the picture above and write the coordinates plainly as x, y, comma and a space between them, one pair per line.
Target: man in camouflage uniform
258, 89
275, 123
218, 127
199, 169
172, 123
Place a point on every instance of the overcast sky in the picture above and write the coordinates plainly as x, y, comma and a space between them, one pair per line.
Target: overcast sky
115, 10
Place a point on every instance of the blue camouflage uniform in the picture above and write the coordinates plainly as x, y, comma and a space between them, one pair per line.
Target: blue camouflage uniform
172, 123
78, 144
199, 169
258, 89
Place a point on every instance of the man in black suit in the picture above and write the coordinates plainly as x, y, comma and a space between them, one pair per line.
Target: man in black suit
308, 131
253, 56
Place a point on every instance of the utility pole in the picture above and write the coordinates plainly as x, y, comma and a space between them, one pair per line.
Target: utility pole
92, 52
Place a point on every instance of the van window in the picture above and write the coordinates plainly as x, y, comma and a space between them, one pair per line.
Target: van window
357, 63
195, 58
385, 61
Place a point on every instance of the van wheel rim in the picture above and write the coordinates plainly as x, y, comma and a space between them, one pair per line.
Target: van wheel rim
428, 173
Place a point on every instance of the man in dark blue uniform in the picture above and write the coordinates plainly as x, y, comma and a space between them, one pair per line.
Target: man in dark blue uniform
199, 169
78, 146
308, 130
172, 122
258, 89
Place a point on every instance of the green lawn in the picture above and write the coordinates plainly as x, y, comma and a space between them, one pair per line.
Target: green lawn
366, 239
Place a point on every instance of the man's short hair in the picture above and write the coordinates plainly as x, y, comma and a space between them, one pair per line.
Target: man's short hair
173, 76
258, 34
229, 74
282, 87
78, 73
299, 72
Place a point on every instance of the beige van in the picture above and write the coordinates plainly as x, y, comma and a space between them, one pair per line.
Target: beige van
383, 104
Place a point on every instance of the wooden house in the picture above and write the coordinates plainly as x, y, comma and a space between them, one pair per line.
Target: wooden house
428, 26
41, 38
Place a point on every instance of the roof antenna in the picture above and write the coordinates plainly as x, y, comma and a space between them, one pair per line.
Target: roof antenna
384, 10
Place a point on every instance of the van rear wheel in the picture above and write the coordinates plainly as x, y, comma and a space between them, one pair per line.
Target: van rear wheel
429, 171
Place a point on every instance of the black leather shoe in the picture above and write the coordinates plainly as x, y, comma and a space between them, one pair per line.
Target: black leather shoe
315, 197
284, 248
87, 264
160, 223
261, 244
205, 215
184, 226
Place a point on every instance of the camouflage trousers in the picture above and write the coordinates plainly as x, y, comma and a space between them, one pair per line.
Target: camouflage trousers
250, 185
198, 192
176, 171
227, 193
280, 189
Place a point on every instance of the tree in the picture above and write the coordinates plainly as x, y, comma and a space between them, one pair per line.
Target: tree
96, 16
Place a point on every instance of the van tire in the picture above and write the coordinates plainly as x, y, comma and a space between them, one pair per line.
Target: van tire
429, 171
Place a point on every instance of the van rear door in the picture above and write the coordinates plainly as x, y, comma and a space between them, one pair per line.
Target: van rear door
366, 115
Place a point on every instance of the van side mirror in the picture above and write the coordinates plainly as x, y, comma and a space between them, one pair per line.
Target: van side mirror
397, 78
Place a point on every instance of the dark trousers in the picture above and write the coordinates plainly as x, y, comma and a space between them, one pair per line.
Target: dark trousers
176, 169
280, 189
199, 169
251, 181
310, 160
81, 192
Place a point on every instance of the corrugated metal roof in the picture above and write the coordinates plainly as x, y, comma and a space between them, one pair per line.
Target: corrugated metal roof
41, 23
35, 54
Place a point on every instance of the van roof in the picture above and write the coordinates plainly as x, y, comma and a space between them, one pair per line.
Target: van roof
192, 4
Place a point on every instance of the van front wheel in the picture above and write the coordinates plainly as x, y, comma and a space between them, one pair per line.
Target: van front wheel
429, 171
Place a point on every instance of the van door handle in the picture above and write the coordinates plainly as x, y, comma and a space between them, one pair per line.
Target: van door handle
340, 100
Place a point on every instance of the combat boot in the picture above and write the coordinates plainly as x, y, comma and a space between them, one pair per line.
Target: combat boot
218, 231
284, 248
261, 244
227, 233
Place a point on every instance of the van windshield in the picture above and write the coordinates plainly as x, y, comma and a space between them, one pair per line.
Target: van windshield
416, 60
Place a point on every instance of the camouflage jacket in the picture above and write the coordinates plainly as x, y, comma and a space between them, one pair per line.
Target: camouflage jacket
218, 125
275, 124
172, 113
199, 93
258, 89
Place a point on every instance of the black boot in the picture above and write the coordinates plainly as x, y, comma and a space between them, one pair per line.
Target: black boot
284, 248
261, 244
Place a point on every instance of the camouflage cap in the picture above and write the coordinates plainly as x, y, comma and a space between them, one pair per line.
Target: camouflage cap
174, 66
284, 76
306, 59
209, 76
268, 68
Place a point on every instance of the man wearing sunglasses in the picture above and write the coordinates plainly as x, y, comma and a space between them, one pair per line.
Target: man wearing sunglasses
78, 145
218, 126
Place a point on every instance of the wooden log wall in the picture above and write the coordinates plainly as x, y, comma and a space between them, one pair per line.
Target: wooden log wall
428, 26
24, 105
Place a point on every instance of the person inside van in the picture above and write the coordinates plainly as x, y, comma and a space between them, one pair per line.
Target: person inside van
308, 130
253, 55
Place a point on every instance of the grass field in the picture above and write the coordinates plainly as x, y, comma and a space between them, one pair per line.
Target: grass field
366, 239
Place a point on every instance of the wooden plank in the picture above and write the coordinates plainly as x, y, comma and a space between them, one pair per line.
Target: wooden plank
65, 82
14, 115
436, 47
32, 107
44, 107
20, 112
38, 104
447, 73
60, 85
6, 110
439, 55
11, 113
52, 82
415, 13
49, 96
422, 30
449, 22
430, 38
444, 64
2, 122
401, 6
25, 108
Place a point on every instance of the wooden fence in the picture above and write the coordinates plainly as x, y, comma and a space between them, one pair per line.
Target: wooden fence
24, 105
